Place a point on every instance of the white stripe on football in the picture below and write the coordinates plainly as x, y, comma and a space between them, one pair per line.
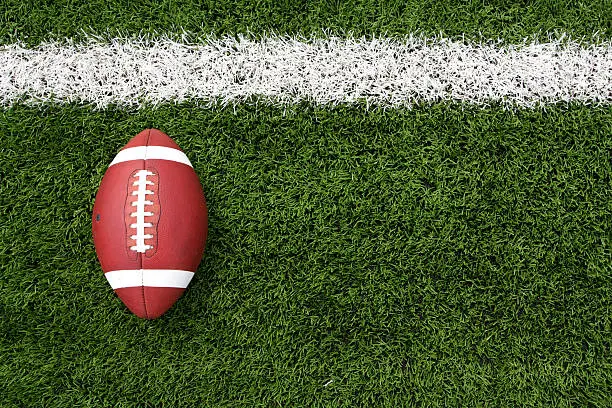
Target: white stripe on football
161, 278
151, 153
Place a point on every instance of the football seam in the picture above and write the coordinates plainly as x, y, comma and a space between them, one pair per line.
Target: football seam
144, 299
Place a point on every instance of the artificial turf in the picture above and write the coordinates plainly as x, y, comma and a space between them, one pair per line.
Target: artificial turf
33, 21
440, 256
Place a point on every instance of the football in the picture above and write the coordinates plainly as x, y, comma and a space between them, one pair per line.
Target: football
150, 223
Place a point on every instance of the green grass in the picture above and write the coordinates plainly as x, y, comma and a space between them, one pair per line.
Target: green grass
442, 256
35, 21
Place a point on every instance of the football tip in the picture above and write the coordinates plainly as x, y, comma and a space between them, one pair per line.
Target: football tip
149, 302
151, 137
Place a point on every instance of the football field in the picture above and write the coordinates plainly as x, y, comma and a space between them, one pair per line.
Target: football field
373, 241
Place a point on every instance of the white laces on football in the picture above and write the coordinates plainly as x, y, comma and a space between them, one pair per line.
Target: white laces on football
140, 212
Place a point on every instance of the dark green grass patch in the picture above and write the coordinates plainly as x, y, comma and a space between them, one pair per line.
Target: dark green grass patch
33, 21
437, 257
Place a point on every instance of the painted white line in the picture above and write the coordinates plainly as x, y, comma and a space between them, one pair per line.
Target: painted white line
163, 278
283, 70
151, 153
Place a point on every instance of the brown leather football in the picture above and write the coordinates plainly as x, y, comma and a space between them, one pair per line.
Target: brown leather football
150, 223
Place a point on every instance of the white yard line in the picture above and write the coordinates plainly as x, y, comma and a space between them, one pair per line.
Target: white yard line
283, 70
